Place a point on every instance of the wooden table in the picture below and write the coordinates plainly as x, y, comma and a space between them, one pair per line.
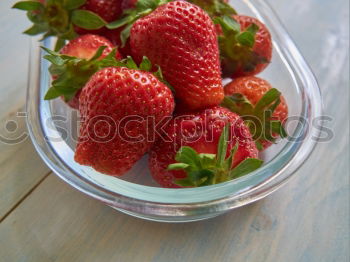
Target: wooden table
44, 219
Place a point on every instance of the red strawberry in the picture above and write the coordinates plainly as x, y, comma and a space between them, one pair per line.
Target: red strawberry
114, 36
114, 105
109, 10
202, 131
180, 37
245, 45
85, 47
76, 63
251, 97
127, 4
65, 19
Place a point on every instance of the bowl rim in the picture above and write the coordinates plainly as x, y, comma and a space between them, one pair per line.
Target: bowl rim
271, 176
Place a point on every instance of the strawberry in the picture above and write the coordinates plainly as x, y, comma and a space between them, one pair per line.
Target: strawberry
245, 45
180, 37
69, 74
127, 4
60, 17
215, 7
86, 46
114, 35
262, 107
116, 105
108, 10
195, 149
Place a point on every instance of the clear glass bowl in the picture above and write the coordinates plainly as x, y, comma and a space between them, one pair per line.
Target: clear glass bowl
136, 193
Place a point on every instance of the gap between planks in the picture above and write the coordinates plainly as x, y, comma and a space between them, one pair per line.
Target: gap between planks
24, 197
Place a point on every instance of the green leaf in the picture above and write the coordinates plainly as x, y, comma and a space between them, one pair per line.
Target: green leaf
269, 97
124, 35
28, 5
238, 104
146, 64
231, 23
246, 39
87, 20
121, 22
177, 166
98, 53
208, 181
197, 175
69, 34
56, 60
253, 29
188, 156
130, 63
207, 160
223, 8
60, 42
259, 146
228, 24
229, 161
222, 145
145, 4
52, 93
184, 182
74, 4
159, 73
277, 127
36, 29
245, 167
50, 51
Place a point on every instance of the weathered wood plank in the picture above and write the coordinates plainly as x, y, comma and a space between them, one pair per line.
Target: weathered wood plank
21, 168
307, 220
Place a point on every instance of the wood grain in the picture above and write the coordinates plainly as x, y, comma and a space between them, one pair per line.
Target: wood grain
21, 168
307, 220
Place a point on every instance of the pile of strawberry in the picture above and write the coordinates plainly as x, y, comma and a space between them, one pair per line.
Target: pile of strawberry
146, 77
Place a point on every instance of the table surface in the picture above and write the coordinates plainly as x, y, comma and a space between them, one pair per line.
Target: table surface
44, 219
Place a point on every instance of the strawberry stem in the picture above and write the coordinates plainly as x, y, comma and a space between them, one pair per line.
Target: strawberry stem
58, 18
72, 73
258, 118
208, 169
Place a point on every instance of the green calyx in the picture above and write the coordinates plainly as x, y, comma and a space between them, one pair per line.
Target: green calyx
71, 73
236, 46
58, 18
129, 17
209, 169
215, 7
259, 117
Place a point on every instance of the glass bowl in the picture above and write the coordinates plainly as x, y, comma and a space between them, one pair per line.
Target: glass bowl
53, 129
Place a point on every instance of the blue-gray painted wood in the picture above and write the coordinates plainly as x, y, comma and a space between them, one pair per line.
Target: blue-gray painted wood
307, 220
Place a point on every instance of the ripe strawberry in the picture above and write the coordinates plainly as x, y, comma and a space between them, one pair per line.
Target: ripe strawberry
245, 45
114, 35
61, 18
255, 100
108, 10
203, 132
180, 37
84, 47
215, 7
127, 4
116, 105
